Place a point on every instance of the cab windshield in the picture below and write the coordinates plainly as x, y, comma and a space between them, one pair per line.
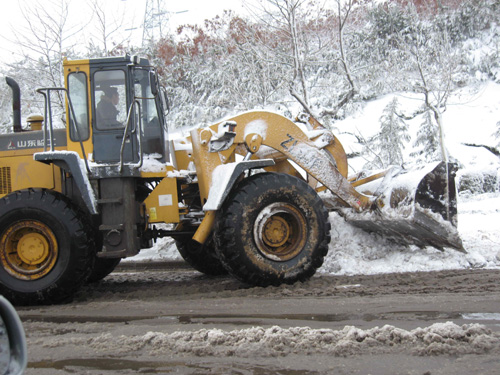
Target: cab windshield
150, 116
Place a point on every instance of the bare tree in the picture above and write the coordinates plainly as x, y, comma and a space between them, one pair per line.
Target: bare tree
344, 10
107, 26
299, 47
47, 35
44, 39
434, 62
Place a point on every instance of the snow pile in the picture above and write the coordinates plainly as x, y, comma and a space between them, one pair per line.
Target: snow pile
354, 251
164, 249
438, 339
151, 163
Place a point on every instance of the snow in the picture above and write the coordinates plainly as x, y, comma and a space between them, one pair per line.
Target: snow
353, 251
470, 118
220, 180
256, 127
439, 338
163, 250
150, 163
181, 144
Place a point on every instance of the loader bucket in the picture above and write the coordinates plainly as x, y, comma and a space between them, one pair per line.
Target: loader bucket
416, 207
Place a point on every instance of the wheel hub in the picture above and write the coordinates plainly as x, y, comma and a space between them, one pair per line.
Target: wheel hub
280, 231
28, 249
276, 231
33, 248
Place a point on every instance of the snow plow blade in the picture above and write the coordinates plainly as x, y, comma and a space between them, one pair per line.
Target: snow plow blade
416, 207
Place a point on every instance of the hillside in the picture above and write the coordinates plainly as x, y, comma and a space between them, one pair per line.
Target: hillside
471, 118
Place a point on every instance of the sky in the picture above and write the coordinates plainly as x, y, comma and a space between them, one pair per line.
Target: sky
130, 11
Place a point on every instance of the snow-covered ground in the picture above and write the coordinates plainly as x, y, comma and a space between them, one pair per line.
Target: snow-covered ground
353, 251
470, 118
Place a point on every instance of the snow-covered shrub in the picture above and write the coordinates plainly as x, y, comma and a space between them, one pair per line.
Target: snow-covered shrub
478, 181
468, 19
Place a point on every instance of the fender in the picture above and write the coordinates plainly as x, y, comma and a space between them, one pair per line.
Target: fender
224, 178
70, 161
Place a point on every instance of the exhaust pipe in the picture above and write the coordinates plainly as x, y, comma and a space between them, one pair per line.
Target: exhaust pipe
16, 104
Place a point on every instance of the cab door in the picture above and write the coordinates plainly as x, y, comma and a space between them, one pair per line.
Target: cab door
109, 121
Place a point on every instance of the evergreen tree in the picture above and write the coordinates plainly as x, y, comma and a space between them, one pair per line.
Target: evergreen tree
427, 140
388, 145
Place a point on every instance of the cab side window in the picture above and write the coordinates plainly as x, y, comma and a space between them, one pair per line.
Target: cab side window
77, 91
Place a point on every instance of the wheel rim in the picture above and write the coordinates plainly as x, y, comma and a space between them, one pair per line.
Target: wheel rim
28, 250
280, 232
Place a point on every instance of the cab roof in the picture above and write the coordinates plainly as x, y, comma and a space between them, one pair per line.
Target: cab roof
110, 61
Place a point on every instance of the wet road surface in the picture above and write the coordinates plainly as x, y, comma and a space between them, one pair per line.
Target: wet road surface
160, 321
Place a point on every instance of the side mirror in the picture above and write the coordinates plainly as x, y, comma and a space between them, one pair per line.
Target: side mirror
13, 351
153, 83
164, 100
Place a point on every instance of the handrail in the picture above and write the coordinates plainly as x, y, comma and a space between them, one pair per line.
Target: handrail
126, 131
45, 91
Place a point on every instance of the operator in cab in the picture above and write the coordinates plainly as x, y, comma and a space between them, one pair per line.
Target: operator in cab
107, 112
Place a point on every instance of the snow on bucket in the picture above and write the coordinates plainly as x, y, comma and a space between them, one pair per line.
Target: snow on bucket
416, 207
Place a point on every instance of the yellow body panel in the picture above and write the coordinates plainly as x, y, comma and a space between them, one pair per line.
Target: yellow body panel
159, 174
22, 172
162, 205
205, 162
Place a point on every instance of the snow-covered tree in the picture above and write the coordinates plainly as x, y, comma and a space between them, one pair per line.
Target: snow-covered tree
44, 39
427, 141
289, 32
333, 59
430, 63
386, 148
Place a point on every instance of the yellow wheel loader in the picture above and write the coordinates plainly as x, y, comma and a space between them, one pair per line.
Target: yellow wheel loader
247, 196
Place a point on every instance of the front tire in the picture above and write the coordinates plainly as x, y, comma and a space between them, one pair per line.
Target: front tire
272, 229
46, 247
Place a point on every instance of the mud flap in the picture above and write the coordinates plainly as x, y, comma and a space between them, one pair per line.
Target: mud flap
417, 207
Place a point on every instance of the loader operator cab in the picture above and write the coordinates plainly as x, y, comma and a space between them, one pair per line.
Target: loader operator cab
126, 111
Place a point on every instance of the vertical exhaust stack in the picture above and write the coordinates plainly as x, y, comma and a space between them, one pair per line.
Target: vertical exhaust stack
16, 104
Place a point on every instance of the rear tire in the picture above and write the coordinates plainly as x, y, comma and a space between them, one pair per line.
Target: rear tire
202, 258
102, 268
272, 229
46, 247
